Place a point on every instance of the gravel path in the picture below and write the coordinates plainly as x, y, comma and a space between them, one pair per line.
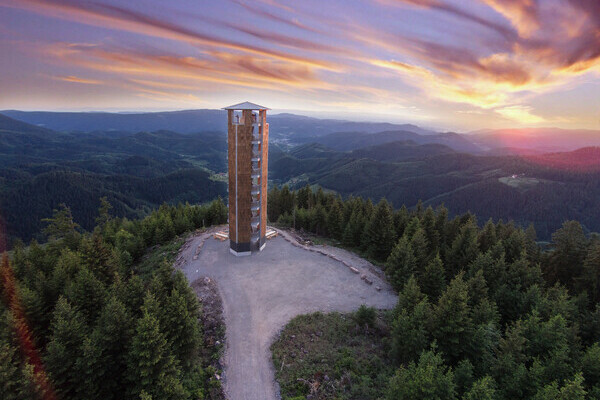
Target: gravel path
262, 292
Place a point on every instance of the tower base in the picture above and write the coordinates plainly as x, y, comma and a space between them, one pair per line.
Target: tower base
246, 249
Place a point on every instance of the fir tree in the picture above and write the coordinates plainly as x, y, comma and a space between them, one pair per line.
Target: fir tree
482, 389
113, 332
451, 320
430, 379
65, 349
354, 229
401, 264
464, 249
151, 366
379, 235
433, 278
335, 221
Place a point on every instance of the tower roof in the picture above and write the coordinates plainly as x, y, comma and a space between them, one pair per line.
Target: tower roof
246, 106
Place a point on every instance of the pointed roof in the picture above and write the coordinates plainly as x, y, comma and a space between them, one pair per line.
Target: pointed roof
246, 106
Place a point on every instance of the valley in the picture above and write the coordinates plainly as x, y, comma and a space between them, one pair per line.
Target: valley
406, 165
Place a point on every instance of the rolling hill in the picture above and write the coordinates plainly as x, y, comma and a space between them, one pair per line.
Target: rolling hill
344, 141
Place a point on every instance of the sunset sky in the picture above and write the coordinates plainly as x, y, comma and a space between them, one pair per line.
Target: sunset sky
447, 64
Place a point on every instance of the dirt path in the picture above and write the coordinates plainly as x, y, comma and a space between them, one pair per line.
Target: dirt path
261, 293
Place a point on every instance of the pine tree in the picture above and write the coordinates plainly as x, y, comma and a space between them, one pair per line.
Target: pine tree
482, 389
103, 212
61, 224
87, 293
433, 279
401, 264
463, 251
379, 235
432, 235
113, 333
65, 349
99, 258
354, 229
15, 383
590, 276
571, 390
401, 219
430, 379
151, 366
409, 335
182, 329
335, 221
304, 197
487, 236
451, 320
420, 246
566, 261
319, 219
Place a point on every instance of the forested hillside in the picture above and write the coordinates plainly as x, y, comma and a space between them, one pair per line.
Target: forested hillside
94, 316
544, 189
137, 172
483, 312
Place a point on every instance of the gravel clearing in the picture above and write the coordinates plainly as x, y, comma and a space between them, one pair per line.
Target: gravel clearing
262, 292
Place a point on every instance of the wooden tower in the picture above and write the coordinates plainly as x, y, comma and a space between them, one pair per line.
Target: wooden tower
248, 146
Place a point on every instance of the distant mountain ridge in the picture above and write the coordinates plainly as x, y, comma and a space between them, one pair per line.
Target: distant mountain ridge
346, 141
283, 125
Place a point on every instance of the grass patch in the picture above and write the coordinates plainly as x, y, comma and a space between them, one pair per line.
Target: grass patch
159, 254
331, 356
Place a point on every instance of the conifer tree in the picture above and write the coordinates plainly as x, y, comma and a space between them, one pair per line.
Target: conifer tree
319, 219
88, 293
451, 320
590, 276
420, 246
571, 390
103, 212
379, 235
401, 218
65, 349
335, 221
304, 197
429, 379
409, 296
182, 329
401, 264
566, 261
482, 389
487, 237
428, 224
151, 366
463, 251
354, 229
409, 335
113, 333
100, 258
433, 278
61, 224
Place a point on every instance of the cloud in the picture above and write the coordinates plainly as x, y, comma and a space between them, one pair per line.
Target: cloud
75, 79
521, 114
115, 17
455, 11
216, 67
523, 14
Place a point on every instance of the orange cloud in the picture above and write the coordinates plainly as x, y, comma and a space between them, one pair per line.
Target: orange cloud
75, 79
523, 14
109, 16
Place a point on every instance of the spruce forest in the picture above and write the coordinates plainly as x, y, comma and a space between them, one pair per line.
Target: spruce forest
89, 316
482, 313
